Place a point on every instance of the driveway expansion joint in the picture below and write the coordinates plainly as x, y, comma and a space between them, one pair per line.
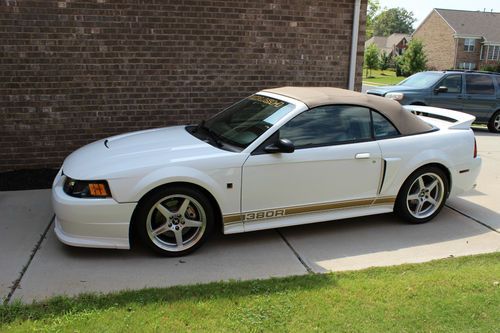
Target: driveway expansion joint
17, 282
474, 219
297, 255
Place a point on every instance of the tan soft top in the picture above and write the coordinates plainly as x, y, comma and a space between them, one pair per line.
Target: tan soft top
406, 122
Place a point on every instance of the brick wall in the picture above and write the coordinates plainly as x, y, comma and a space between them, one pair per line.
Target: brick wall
439, 44
75, 71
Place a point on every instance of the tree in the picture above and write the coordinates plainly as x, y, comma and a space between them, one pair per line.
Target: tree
373, 8
398, 61
385, 60
413, 59
393, 20
371, 58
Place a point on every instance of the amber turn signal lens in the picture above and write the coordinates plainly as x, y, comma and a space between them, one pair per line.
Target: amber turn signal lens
98, 190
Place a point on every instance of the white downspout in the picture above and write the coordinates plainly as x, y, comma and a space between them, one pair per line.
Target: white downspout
354, 44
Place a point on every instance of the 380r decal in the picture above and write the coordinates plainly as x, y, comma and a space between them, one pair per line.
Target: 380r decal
273, 213
266, 214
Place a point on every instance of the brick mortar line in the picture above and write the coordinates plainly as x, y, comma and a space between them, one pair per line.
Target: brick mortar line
474, 219
297, 255
17, 282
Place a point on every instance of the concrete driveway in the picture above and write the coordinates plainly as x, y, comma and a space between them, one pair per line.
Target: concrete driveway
34, 265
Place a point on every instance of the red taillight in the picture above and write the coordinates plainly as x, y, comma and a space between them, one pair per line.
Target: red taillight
475, 148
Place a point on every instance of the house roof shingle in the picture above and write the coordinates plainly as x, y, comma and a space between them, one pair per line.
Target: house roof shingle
386, 43
473, 23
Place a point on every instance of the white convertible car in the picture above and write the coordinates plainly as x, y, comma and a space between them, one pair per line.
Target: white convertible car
281, 157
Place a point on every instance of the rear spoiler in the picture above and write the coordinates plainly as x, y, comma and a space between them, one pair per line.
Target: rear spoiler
459, 120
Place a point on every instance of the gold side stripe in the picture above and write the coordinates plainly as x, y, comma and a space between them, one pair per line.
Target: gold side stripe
328, 206
237, 218
228, 219
384, 200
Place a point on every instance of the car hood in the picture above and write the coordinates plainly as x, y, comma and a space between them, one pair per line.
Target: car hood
381, 91
124, 155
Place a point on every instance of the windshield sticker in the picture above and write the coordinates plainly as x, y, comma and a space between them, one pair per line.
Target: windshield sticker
267, 100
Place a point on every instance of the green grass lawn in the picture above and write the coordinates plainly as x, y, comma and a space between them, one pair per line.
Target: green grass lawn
379, 78
451, 295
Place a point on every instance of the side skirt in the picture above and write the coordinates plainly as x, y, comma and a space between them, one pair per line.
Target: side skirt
277, 218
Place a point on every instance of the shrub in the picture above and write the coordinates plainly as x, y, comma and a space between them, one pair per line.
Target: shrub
491, 67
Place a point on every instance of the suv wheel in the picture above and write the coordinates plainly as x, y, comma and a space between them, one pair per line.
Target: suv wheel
494, 123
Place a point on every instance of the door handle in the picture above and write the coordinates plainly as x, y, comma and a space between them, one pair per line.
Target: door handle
360, 156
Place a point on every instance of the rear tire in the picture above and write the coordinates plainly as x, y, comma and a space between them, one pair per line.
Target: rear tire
174, 220
494, 123
422, 195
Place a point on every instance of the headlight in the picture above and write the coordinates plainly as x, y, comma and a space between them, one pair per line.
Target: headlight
86, 188
395, 96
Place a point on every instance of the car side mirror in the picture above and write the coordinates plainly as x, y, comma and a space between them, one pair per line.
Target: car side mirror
441, 89
281, 146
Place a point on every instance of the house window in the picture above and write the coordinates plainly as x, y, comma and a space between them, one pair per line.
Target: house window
467, 65
469, 44
493, 52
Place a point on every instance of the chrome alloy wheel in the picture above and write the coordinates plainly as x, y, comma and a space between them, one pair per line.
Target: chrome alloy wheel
425, 195
176, 222
496, 122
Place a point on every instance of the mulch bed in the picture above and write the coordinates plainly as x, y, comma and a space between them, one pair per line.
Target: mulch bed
27, 179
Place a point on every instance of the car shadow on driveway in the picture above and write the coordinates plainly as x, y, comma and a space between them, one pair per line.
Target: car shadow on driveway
331, 246
347, 238
59, 269
478, 212
385, 240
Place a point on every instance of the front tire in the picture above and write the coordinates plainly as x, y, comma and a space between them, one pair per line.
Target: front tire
175, 220
494, 123
422, 195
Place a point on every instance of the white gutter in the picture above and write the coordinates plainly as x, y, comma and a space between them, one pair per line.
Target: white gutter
354, 44
467, 36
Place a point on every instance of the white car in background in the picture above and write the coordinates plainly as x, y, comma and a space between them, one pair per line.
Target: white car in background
281, 157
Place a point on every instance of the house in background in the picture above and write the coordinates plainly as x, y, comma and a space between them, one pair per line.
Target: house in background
393, 45
460, 39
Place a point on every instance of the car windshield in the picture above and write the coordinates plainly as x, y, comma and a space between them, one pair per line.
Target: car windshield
245, 121
421, 80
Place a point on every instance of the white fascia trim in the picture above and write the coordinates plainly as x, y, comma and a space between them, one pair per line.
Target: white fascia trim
468, 36
444, 19
421, 24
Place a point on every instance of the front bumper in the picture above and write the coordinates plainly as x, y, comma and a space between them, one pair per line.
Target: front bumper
101, 223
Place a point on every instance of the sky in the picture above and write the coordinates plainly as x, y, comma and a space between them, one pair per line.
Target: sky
422, 8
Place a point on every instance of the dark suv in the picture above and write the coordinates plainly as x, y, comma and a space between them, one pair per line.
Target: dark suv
477, 93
